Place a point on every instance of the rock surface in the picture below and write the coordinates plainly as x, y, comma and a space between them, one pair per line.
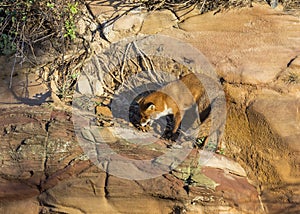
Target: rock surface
43, 167
255, 51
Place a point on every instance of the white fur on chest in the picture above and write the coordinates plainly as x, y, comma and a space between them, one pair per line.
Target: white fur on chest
156, 116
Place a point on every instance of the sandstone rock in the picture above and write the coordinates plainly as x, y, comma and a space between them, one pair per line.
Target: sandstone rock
61, 145
39, 154
23, 151
90, 82
223, 185
118, 21
139, 21
16, 190
84, 194
295, 63
81, 27
186, 13
98, 88
104, 111
95, 192
106, 10
265, 40
253, 50
103, 135
17, 151
157, 21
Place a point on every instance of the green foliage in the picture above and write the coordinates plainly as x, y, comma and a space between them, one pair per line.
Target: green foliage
70, 29
26, 23
74, 76
192, 175
211, 146
222, 151
7, 45
70, 26
50, 5
73, 9
13, 16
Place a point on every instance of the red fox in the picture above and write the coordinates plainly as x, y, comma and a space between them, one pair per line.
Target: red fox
174, 98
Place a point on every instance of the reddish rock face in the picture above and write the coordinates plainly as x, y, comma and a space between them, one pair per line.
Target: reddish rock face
235, 189
42, 161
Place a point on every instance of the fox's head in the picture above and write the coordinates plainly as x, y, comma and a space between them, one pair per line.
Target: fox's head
148, 112
151, 109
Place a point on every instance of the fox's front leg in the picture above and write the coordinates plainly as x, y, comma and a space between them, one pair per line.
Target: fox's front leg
177, 121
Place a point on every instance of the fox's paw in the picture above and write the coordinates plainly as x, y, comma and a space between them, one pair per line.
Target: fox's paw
144, 128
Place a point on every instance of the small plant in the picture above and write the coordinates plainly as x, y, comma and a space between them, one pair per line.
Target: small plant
200, 141
70, 29
75, 75
7, 44
70, 26
293, 78
50, 5
210, 145
222, 151
65, 88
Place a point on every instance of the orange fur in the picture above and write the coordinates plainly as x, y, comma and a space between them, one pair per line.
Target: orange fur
174, 98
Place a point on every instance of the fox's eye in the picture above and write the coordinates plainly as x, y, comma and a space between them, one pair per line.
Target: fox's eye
150, 106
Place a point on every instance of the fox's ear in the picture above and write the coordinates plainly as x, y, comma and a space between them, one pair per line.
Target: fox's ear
140, 100
150, 106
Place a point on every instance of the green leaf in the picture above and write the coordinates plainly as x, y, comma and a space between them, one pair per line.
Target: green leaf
50, 5
73, 8
74, 76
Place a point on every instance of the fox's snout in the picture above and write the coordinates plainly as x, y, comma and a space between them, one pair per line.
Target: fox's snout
145, 121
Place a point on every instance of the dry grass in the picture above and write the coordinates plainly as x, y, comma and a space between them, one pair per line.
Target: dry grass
292, 78
206, 5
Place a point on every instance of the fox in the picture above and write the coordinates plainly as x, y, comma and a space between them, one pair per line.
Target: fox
173, 99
